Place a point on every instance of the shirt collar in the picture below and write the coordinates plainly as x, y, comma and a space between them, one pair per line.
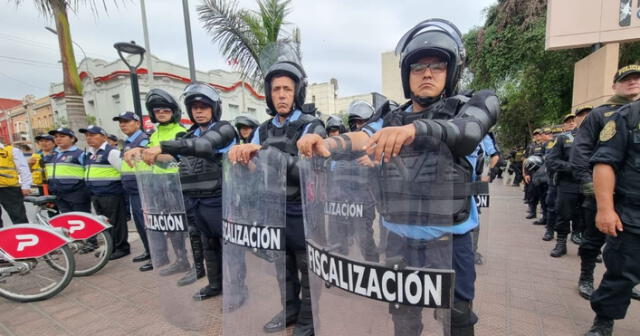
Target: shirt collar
133, 137
293, 116
70, 149
103, 146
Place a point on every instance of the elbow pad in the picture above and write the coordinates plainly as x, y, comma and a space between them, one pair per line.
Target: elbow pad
483, 106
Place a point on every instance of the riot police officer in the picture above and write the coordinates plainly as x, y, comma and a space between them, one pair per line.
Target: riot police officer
200, 153
245, 126
165, 111
625, 91
334, 126
616, 181
285, 89
431, 61
568, 188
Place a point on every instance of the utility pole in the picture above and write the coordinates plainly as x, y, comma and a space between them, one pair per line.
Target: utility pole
147, 45
187, 31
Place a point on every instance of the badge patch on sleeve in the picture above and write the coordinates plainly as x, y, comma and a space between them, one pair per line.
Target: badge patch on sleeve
608, 131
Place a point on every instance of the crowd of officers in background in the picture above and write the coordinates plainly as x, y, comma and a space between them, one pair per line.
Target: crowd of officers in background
557, 169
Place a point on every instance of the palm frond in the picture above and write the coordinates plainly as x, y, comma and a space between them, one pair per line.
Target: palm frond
225, 22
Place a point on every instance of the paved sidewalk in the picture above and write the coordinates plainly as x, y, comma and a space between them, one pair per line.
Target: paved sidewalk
520, 290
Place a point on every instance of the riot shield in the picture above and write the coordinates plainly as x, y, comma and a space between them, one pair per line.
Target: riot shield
167, 230
379, 242
254, 199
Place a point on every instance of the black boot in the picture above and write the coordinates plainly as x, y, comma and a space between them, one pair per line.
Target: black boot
304, 325
541, 221
463, 319
213, 261
585, 288
576, 238
601, 327
548, 235
532, 212
197, 271
561, 247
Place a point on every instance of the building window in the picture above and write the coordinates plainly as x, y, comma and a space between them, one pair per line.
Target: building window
251, 110
116, 98
234, 109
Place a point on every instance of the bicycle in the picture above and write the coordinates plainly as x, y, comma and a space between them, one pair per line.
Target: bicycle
24, 248
92, 243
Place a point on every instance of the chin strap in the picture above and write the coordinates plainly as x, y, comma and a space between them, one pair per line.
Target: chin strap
425, 101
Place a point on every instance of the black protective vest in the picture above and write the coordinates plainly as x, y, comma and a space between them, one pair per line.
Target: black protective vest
460, 176
285, 139
202, 177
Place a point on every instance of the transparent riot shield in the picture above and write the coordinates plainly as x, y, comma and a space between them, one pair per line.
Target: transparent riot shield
379, 242
167, 230
254, 199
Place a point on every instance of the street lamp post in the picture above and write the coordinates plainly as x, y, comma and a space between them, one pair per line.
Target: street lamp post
132, 48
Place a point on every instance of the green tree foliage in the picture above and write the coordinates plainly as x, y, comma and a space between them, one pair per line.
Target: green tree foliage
536, 86
243, 34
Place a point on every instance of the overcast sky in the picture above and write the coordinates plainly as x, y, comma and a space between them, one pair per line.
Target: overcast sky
340, 39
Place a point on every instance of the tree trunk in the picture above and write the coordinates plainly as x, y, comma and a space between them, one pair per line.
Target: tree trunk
71, 79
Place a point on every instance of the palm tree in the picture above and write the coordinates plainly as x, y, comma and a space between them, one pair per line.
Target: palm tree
71, 79
243, 34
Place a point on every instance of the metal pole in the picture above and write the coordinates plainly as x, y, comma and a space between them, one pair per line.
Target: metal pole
146, 42
135, 90
187, 31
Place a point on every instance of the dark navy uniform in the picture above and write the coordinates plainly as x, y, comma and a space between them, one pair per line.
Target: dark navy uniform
200, 153
619, 147
585, 141
569, 196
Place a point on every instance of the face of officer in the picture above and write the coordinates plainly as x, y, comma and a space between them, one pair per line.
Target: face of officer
628, 87
95, 140
428, 76
546, 137
129, 127
333, 132
580, 117
245, 131
46, 145
163, 114
359, 123
63, 141
201, 112
282, 94
569, 124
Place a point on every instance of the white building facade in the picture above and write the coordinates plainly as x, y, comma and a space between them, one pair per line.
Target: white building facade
107, 91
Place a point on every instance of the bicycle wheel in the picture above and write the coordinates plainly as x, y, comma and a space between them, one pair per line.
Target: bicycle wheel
90, 255
30, 280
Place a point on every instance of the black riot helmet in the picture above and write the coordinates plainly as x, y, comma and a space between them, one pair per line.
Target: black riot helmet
243, 120
533, 163
206, 94
161, 98
333, 123
359, 110
432, 37
292, 70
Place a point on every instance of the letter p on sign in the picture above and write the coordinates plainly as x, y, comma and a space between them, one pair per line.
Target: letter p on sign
26, 240
75, 225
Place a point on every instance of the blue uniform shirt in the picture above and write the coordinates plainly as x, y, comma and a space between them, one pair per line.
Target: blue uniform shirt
433, 232
293, 116
133, 138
